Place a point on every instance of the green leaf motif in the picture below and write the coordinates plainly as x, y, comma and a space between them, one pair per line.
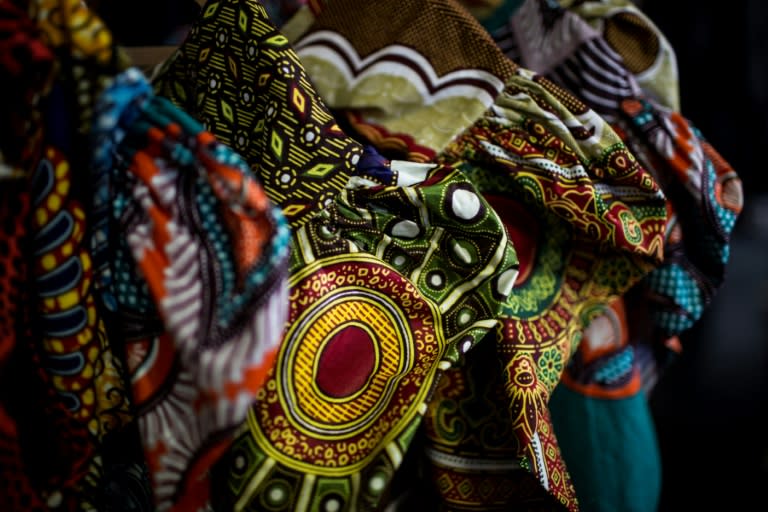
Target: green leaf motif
227, 112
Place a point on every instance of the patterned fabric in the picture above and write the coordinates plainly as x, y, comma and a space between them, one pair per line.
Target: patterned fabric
473, 451
26, 66
589, 221
77, 380
706, 198
643, 48
604, 364
539, 151
612, 452
213, 254
427, 70
704, 192
390, 286
84, 47
239, 76
391, 280
603, 419
600, 407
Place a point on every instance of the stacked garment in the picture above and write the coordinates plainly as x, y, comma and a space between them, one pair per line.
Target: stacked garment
56, 346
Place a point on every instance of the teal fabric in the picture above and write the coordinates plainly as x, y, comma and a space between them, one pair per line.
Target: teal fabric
501, 15
610, 449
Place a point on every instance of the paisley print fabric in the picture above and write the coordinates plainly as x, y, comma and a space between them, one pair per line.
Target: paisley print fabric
288, 273
591, 220
541, 151
213, 253
473, 452
397, 268
239, 76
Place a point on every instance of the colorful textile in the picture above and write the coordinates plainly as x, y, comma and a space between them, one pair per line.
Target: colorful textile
390, 286
603, 419
580, 181
425, 72
706, 198
26, 66
213, 253
472, 445
646, 53
75, 382
87, 53
605, 376
239, 76
589, 221
392, 278
604, 364
704, 192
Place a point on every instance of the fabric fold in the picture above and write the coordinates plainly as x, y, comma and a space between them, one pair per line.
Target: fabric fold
207, 254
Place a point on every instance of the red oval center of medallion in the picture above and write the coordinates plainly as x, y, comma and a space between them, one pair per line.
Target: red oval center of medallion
346, 362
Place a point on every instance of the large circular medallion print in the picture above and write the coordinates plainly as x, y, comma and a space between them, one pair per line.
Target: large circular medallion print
355, 366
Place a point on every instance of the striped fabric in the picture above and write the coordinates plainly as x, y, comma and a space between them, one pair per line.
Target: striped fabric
216, 278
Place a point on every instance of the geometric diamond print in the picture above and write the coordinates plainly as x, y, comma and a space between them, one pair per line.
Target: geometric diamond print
299, 101
293, 210
486, 488
320, 170
465, 488
444, 483
277, 144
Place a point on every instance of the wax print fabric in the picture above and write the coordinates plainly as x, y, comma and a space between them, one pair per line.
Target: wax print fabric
394, 275
239, 76
72, 379
556, 209
200, 282
703, 200
414, 82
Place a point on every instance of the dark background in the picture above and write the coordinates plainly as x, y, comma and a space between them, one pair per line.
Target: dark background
710, 405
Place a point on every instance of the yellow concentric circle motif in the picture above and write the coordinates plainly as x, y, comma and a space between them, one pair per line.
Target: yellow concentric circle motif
349, 306
380, 376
